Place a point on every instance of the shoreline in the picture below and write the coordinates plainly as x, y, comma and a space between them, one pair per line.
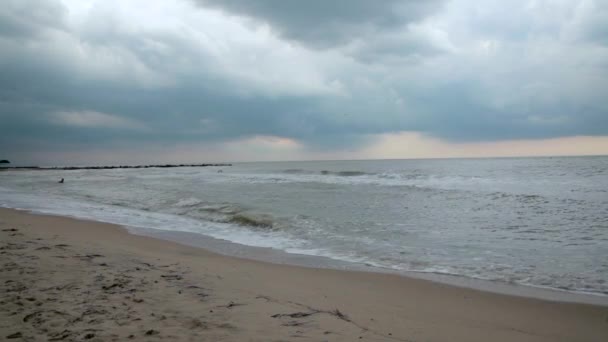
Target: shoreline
248, 299
279, 257
514, 257
275, 256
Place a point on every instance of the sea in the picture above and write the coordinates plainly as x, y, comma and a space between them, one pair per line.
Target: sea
533, 222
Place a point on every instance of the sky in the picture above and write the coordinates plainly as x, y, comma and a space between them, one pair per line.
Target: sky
142, 81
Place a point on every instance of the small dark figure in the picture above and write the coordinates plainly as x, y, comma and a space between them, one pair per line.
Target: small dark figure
61, 181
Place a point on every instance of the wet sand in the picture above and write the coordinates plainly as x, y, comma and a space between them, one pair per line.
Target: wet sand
71, 280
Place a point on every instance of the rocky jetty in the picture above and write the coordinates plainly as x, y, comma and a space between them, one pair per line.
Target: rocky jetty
111, 167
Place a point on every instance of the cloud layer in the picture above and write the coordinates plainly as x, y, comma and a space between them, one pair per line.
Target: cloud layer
329, 76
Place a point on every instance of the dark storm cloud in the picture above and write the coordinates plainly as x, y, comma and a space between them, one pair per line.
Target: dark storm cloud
486, 123
322, 23
108, 83
197, 109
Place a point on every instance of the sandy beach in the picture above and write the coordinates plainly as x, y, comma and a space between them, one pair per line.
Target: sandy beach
70, 280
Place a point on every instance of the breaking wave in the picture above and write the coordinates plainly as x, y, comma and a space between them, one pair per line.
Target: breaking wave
346, 173
222, 213
254, 221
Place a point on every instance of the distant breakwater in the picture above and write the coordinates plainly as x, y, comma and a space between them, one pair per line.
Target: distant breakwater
109, 167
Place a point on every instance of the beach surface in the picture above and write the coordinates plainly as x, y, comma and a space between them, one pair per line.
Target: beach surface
70, 280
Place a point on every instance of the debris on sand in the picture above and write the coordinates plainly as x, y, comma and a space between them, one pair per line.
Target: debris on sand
15, 335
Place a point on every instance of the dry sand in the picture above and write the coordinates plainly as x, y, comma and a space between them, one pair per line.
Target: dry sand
69, 280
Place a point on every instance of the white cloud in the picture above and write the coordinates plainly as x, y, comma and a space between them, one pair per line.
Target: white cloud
92, 119
162, 43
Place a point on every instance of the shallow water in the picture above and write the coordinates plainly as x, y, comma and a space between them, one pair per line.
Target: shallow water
531, 221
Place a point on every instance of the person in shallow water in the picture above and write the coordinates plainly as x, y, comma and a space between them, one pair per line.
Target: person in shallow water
61, 181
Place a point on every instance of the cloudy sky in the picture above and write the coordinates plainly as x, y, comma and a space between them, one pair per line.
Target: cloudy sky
136, 81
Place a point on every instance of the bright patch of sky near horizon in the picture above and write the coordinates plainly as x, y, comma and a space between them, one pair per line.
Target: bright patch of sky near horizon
119, 81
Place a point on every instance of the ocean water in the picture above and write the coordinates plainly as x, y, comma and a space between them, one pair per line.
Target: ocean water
539, 222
